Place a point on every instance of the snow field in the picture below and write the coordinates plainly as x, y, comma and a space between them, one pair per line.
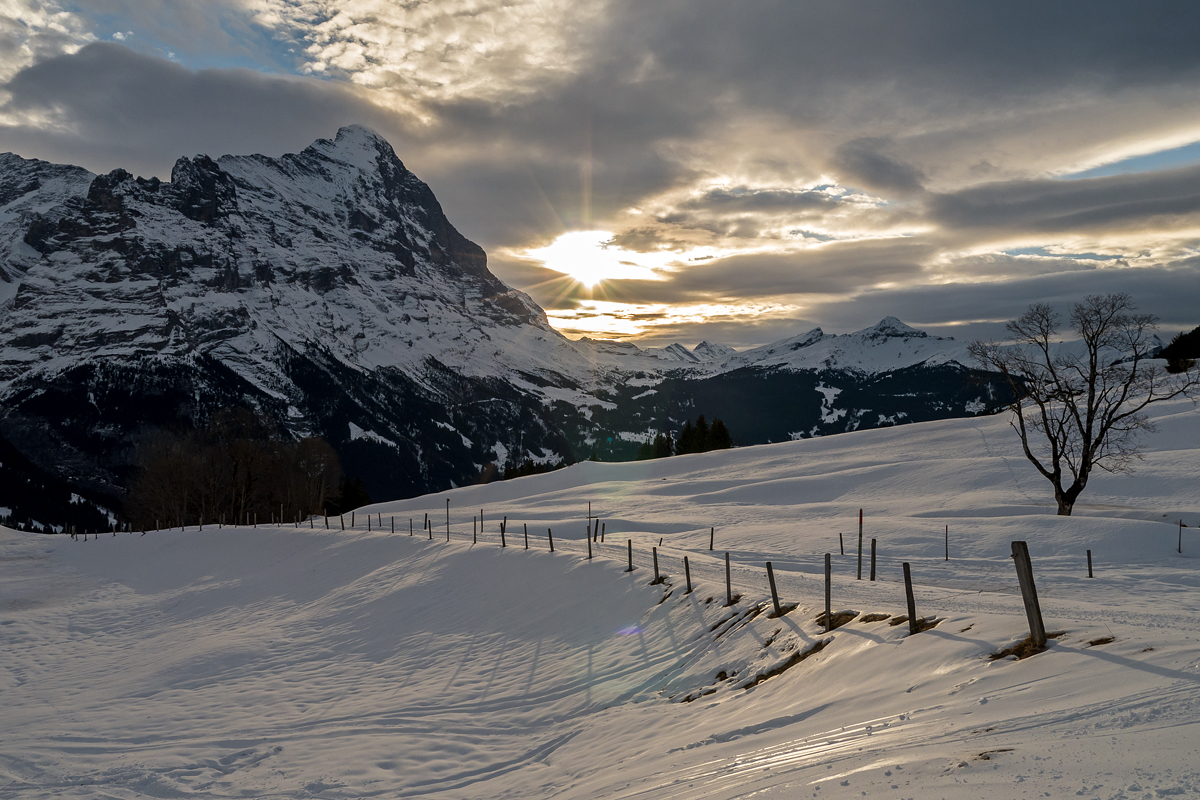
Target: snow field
284, 662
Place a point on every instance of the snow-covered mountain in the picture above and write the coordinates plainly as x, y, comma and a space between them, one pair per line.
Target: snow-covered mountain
708, 351
888, 345
328, 290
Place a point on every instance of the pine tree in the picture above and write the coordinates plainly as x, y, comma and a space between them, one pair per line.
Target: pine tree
718, 436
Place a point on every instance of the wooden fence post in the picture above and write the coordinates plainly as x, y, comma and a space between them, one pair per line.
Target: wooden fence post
630, 567
602, 528
841, 543
912, 603
1033, 610
1180, 548
774, 594
473, 521
1089, 563
828, 592
872, 559
410, 526
429, 527
393, 519
712, 534
526, 535
503, 525
687, 572
947, 542
654, 553
447, 515
589, 541
728, 583
550, 536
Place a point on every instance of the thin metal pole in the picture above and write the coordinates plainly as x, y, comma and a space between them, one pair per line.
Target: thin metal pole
872, 559
550, 536
947, 542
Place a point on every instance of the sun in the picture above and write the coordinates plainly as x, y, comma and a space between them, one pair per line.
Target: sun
590, 257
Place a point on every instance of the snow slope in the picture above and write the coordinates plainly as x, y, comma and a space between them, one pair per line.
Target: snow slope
304, 662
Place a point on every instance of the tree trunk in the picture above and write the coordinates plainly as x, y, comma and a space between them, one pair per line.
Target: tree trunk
1066, 497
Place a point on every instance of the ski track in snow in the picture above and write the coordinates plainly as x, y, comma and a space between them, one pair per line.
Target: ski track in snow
312, 663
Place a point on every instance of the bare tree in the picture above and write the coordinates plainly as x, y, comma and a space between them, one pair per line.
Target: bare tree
1080, 406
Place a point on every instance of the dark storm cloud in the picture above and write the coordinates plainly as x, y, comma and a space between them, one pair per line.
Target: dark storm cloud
118, 108
680, 94
861, 162
832, 268
746, 199
1155, 289
777, 53
1120, 201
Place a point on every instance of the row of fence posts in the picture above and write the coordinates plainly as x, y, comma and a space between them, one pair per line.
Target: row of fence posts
593, 527
1020, 555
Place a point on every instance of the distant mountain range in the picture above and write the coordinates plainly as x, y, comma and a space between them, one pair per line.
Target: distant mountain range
328, 290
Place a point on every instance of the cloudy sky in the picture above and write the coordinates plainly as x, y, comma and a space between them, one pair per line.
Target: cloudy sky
678, 170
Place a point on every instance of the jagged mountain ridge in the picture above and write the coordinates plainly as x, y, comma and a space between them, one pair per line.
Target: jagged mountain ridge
328, 290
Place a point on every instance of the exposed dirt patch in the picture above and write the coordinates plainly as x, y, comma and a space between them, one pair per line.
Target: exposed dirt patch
1101, 640
784, 608
839, 618
873, 618
964, 630
792, 661
1024, 648
986, 755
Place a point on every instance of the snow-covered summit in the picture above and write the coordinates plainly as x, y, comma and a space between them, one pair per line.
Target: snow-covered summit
709, 351
889, 344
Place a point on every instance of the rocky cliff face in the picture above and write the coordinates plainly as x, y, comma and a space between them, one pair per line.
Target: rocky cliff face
328, 290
